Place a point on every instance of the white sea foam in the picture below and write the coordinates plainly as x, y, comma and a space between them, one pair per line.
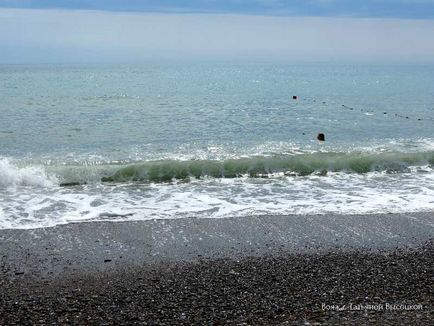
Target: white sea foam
340, 193
30, 196
12, 175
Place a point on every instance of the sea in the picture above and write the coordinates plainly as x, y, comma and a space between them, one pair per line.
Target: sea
119, 142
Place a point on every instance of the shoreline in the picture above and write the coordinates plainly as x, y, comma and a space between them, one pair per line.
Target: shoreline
101, 246
265, 270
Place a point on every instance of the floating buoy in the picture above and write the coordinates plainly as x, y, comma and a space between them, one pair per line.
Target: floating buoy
320, 137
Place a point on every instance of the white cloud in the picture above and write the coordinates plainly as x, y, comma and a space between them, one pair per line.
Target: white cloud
55, 35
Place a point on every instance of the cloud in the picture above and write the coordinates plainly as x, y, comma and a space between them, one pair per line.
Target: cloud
95, 36
421, 9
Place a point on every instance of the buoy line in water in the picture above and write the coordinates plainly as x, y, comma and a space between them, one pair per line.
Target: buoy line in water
384, 113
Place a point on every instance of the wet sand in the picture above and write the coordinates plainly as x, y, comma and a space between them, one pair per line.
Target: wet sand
256, 270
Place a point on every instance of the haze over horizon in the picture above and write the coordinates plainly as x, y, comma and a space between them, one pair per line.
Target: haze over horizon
234, 30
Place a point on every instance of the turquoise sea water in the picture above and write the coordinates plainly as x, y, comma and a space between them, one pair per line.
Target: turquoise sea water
92, 142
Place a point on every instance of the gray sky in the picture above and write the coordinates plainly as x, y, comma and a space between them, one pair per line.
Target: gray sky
39, 35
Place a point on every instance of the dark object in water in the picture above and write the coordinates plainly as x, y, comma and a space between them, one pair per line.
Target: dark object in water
294, 97
71, 184
320, 137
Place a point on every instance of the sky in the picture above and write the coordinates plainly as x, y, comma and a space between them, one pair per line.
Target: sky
419, 9
57, 31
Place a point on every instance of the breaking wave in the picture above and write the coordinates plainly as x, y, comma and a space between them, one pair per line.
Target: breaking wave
254, 167
12, 175
298, 165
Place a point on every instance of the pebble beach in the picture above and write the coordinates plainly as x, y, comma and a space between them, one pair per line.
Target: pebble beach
230, 281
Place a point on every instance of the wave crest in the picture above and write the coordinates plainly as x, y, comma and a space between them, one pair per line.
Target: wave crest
12, 175
319, 163
262, 166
